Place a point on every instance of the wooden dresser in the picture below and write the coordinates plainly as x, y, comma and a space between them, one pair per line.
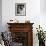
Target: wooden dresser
22, 33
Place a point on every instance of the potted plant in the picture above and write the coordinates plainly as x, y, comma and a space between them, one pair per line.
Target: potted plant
41, 36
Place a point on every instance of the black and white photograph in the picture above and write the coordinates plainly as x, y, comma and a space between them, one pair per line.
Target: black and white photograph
20, 9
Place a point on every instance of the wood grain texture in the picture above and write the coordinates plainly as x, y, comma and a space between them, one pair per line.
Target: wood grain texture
23, 27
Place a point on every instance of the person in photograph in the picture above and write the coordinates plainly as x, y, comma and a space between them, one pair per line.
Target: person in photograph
21, 9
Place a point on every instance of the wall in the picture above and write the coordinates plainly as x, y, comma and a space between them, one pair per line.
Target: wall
0, 14
33, 13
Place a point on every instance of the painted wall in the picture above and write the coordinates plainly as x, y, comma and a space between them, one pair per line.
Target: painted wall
33, 13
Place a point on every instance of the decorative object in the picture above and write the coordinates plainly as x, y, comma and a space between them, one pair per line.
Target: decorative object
20, 9
27, 21
41, 36
13, 21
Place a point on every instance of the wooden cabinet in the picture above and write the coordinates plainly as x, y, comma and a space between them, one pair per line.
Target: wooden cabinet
22, 33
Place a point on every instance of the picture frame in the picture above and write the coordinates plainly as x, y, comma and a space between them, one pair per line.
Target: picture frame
20, 9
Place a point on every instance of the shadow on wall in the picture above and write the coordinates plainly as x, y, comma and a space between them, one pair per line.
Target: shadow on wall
0, 15
43, 6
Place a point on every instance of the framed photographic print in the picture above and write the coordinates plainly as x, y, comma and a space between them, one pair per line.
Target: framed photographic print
20, 9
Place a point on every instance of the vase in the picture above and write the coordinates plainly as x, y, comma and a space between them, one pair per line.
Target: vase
41, 43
